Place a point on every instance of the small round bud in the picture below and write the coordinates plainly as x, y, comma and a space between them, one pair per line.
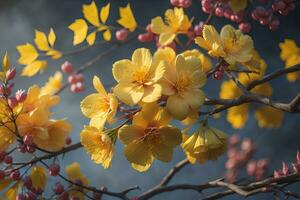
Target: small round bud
58, 188
28, 140
245, 27
68, 141
21, 96
67, 67
72, 79
30, 196
274, 25
11, 73
122, 34
15, 175
8, 160
54, 169
30, 148
198, 28
174, 2
79, 77
219, 12
218, 75
264, 21
146, 37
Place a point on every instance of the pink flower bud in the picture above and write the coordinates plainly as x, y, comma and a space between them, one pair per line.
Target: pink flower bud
79, 77
58, 188
72, 79
146, 37
273, 26
67, 67
30, 148
245, 27
122, 34
11, 73
296, 167
12, 102
262, 163
251, 168
21, 96
54, 169
277, 174
148, 28
234, 139
15, 175
68, 141
285, 169
28, 140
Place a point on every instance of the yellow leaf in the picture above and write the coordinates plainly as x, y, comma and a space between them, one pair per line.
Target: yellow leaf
127, 19
41, 41
104, 13
80, 28
90, 12
54, 54
238, 5
28, 53
4, 183
5, 62
51, 37
91, 38
38, 177
33, 68
11, 193
107, 35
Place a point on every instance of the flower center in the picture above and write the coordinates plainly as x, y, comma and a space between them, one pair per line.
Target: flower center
182, 83
140, 75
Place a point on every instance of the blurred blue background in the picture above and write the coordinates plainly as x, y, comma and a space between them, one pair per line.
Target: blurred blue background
19, 19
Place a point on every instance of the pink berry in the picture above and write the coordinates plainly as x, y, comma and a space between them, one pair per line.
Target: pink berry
22, 148
68, 141
8, 160
198, 28
11, 73
80, 86
72, 79
21, 96
148, 28
74, 88
79, 77
274, 25
58, 188
2, 174
219, 12
28, 140
54, 169
146, 37
12, 102
27, 182
67, 67
234, 139
278, 5
245, 27
264, 21
122, 34
15, 175
218, 75
174, 2
30, 148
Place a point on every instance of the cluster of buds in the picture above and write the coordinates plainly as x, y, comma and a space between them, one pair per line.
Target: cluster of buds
8, 171
181, 3
27, 145
7, 87
240, 153
75, 79
219, 73
264, 12
287, 170
31, 192
148, 36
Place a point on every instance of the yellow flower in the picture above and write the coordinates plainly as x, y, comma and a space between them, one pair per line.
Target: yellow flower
238, 115
35, 99
176, 22
98, 144
182, 83
207, 143
137, 78
100, 106
149, 137
74, 174
47, 134
231, 44
53, 85
290, 53
204, 60
90, 13
127, 19
268, 117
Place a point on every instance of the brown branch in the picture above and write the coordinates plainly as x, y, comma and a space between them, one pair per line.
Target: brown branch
273, 75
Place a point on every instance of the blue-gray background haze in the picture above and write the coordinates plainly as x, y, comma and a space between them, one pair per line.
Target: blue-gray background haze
19, 19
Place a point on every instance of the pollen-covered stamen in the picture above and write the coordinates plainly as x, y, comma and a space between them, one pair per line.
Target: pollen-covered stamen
140, 76
182, 82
